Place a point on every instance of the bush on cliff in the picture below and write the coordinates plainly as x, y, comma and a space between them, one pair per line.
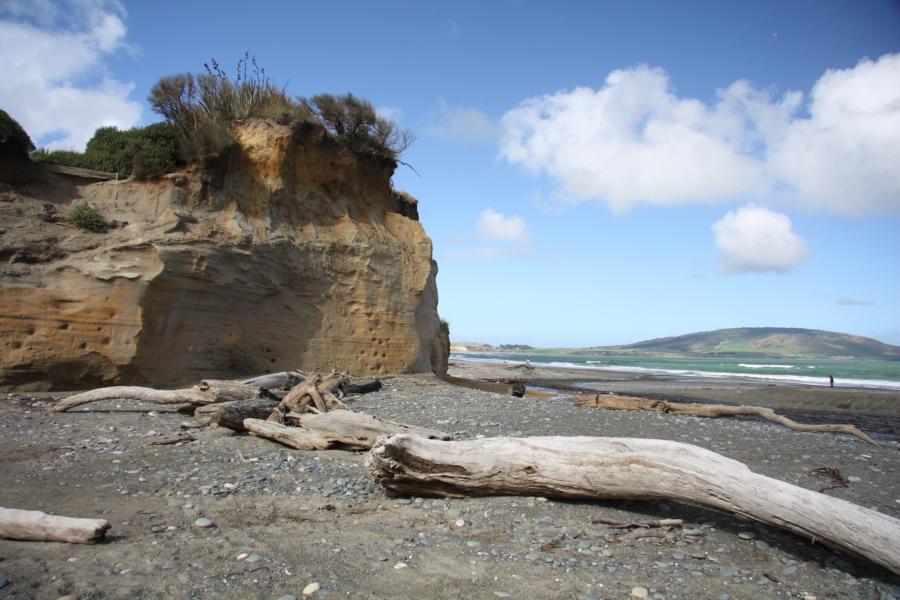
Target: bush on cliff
203, 107
147, 152
13, 136
87, 217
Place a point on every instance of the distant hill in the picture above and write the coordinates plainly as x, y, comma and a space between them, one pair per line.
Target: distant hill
771, 342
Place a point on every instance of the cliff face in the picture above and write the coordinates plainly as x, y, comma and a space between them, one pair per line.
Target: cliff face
290, 252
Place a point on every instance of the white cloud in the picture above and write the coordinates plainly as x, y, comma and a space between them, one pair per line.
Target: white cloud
756, 239
845, 156
498, 227
54, 82
844, 301
508, 234
635, 141
462, 124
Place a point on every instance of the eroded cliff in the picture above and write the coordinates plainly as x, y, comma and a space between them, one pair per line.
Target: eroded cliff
289, 252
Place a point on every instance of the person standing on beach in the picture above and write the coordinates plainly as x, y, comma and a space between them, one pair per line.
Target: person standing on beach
831, 380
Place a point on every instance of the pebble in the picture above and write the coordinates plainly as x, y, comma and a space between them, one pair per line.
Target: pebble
762, 545
789, 570
460, 523
312, 588
204, 522
747, 535
241, 556
171, 565
401, 565
639, 592
254, 558
727, 571
288, 597
854, 478
3, 582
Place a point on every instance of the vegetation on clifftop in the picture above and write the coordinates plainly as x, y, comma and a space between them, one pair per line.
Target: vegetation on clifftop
13, 136
199, 111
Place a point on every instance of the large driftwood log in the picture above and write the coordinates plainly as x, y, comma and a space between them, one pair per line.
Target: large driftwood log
208, 392
335, 429
614, 402
625, 468
232, 414
34, 525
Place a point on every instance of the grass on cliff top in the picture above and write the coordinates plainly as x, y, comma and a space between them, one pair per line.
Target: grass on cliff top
202, 107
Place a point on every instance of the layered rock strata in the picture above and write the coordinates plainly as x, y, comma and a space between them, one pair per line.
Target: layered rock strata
288, 251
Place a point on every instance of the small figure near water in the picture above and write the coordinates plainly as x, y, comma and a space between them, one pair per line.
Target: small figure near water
831, 380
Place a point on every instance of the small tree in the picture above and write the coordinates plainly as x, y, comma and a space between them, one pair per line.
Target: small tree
13, 136
354, 121
87, 217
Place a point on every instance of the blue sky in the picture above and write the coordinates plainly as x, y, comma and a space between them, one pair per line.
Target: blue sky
590, 172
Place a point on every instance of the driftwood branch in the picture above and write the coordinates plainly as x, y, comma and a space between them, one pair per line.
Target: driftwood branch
336, 429
232, 414
614, 402
208, 392
36, 526
634, 469
283, 380
322, 393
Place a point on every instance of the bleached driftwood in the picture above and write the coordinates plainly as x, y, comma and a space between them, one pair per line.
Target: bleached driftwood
284, 380
232, 414
34, 525
339, 428
634, 469
208, 392
615, 402
324, 393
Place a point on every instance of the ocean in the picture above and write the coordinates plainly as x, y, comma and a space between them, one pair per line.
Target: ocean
881, 374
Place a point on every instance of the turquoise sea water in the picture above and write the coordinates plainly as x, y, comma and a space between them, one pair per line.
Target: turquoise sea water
847, 373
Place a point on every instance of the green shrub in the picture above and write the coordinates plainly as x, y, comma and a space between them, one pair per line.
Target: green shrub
87, 217
203, 107
13, 134
147, 151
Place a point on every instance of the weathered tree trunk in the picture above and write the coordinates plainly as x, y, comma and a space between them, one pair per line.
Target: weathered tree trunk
232, 414
339, 428
34, 525
635, 469
614, 402
208, 392
364, 387
282, 380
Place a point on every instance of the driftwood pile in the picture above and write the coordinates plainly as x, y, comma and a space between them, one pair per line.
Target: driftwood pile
311, 413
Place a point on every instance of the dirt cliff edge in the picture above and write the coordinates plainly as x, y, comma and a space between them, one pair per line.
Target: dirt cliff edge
289, 251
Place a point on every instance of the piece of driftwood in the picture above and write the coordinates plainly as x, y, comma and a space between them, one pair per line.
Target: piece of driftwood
322, 393
208, 392
173, 439
364, 387
232, 414
615, 402
335, 429
628, 469
36, 526
283, 380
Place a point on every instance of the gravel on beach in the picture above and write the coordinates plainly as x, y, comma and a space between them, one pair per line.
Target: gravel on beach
234, 516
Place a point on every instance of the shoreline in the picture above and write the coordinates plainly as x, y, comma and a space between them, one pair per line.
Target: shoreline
691, 374
841, 400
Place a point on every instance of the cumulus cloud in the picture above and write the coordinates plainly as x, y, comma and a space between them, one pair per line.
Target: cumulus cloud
844, 301
54, 81
636, 141
756, 239
498, 227
508, 237
463, 124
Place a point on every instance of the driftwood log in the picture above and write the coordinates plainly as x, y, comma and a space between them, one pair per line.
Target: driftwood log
232, 414
283, 380
615, 402
336, 429
322, 393
208, 392
36, 526
635, 469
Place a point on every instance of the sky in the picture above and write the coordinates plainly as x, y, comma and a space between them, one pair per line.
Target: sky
590, 173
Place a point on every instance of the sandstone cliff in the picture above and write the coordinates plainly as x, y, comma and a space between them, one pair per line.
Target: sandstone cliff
288, 252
